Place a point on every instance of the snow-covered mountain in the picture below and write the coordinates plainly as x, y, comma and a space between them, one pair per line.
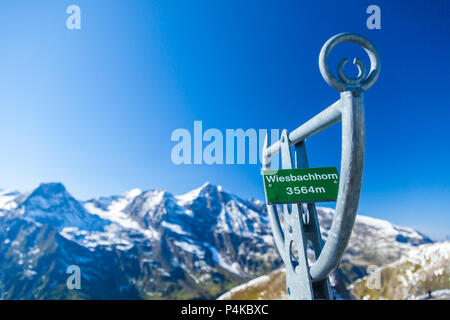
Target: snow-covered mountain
51, 204
152, 244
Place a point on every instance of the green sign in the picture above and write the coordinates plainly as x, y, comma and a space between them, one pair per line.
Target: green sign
301, 185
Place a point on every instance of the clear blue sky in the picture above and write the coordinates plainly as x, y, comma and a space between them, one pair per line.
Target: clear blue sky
94, 108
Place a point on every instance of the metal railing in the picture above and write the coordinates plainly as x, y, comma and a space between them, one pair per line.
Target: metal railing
300, 220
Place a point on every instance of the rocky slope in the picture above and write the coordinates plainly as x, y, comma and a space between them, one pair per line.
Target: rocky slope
420, 271
271, 286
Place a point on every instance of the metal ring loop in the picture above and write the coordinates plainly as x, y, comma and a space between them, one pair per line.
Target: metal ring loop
361, 68
345, 83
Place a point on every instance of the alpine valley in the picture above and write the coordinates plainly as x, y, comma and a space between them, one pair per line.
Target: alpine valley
155, 245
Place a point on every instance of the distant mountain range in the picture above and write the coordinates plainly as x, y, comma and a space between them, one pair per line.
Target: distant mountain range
155, 245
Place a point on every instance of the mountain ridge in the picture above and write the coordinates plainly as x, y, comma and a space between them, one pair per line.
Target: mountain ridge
195, 245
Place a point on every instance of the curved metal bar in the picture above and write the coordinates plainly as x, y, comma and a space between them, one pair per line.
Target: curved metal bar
361, 68
277, 231
341, 85
352, 163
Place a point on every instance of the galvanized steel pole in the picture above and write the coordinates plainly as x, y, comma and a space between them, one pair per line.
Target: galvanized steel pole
300, 220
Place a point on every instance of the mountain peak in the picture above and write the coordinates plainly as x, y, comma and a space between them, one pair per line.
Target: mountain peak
204, 190
206, 184
51, 204
133, 193
50, 188
209, 187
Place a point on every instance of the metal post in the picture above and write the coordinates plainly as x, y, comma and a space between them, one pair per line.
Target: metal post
301, 225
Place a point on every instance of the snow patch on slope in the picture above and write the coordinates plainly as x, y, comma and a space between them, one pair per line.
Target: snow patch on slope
7, 200
222, 261
191, 248
114, 212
